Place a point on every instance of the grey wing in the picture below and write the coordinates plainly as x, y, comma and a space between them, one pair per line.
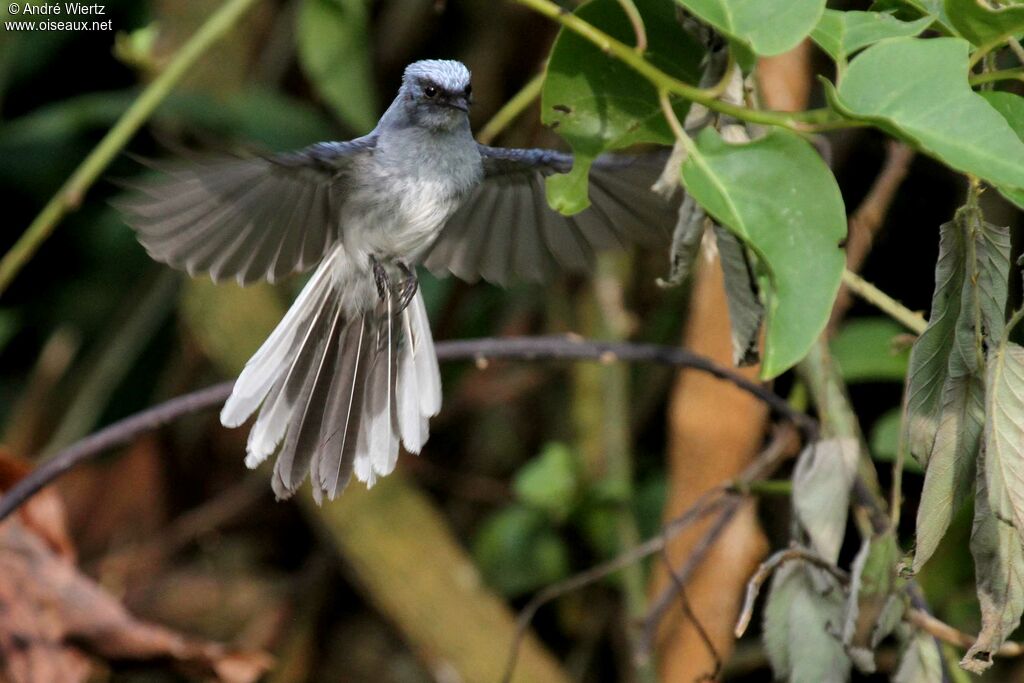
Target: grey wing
245, 218
506, 231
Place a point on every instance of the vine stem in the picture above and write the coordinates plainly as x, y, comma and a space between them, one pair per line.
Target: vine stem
629, 7
914, 322
70, 195
1015, 74
807, 121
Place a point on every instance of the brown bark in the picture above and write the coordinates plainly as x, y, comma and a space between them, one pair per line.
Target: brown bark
714, 431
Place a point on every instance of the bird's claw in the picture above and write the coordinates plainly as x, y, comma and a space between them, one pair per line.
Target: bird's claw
385, 289
380, 277
410, 285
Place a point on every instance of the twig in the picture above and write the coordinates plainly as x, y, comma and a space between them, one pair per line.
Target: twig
117, 434
762, 466
705, 505
71, 193
664, 601
511, 109
768, 567
947, 634
520, 348
684, 602
914, 322
869, 217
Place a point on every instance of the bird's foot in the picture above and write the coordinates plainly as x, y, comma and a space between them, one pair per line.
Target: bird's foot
380, 277
410, 284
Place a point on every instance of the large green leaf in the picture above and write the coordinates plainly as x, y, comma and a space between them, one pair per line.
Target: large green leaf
840, 34
768, 27
779, 197
918, 90
999, 570
1012, 108
597, 103
945, 390
864, 351
334, 50
980, 23
804, 608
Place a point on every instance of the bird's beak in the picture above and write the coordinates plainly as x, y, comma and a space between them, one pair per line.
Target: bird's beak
459, 102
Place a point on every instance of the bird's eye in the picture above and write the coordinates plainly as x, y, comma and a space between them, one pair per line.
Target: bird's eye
469, 90
430, 91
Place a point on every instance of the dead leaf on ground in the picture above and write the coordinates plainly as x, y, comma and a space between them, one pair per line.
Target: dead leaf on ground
53, 617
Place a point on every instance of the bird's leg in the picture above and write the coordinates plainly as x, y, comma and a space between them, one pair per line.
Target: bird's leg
409, 286
380, 277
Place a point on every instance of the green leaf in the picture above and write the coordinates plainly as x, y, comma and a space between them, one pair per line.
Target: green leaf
840, 34
821, 492
1012, 108
597, 103
928, 102
549, 482
921, 661
999, 570
517, 551
803, 611
982, 24
778, 196
745, 309
864, 351
945, 390
874, 607
769, 27
334, 50
909, 10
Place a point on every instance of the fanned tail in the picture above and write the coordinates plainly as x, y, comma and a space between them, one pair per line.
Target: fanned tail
337, 388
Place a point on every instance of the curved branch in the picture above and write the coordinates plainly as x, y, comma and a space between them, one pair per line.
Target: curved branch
480, 350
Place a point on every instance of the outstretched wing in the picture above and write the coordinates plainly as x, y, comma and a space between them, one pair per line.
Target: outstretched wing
245, 218
506, 230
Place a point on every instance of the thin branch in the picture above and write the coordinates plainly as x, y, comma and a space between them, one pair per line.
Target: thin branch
684, 601
511, 109
710, 502
914, 322
518, 348
947, 634
771, 457
869, 217
664, 601
575, 348
768, 567
70, 195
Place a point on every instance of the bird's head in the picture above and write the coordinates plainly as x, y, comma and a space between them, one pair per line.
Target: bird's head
437, 93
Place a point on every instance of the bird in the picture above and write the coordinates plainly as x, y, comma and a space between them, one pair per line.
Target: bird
350, 373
